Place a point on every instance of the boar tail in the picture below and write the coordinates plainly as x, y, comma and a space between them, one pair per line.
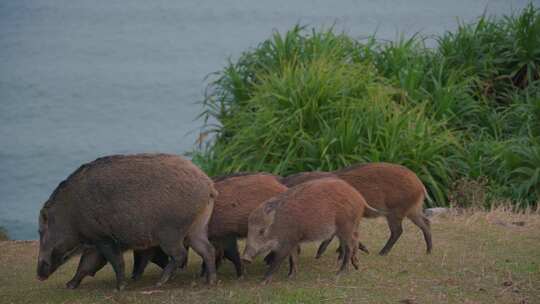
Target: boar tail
427, 197
382, 212
213, 193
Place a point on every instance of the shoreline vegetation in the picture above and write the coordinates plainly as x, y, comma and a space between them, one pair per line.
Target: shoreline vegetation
464, 114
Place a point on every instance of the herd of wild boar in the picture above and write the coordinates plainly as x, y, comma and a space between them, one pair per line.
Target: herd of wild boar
161, 205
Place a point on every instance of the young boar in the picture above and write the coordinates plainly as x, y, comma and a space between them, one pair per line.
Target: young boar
122, 202
238, 196
312, 211
393, 190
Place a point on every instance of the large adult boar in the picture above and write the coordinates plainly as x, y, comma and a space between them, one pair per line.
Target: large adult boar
128, 202
394, 190
312, 211
239, 195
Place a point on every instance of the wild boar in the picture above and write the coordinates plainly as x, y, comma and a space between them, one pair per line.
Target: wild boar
239, 195
312, 211
393, 190
125, 202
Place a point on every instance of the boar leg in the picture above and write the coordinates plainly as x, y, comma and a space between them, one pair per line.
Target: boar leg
141, 258
202, 247
293, 262
278, 257
423, 223
184, 262
173, 246
362, 247
198, 238
323, 246
91, 262
269, 258
159, 257
219, 258
232, 254
346, 256
113, 254
354, 256
348, 243
394, 223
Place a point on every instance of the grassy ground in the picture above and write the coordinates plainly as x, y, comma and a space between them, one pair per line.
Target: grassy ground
479, 258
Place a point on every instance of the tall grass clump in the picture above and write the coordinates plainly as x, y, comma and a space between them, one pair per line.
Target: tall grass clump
500, 54
467, 109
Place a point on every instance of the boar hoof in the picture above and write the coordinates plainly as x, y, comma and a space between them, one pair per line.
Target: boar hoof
363, 248
72, 284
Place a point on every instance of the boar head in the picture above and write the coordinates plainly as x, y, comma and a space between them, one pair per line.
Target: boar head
259, 238
57, 242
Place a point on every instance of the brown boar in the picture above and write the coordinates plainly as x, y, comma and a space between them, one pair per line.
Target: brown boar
128, 202
393, 190
239, 195
312, 211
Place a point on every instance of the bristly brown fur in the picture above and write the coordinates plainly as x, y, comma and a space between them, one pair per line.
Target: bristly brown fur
238, 196
392, 189
311, 211
131, 201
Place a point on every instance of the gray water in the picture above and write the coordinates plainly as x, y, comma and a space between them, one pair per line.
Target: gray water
83, 79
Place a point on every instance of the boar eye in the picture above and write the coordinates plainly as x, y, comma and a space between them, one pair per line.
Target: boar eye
261, 232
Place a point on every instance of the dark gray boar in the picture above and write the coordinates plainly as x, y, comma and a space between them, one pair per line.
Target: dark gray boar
122, 202
312, 211
393, 190
239, 195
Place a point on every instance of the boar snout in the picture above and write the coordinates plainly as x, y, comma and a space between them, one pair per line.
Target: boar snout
43, 270
249, 254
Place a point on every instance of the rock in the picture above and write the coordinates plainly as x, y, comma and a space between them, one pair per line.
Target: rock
431, 212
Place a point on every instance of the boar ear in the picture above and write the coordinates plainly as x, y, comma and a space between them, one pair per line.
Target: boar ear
270, 206
43, 216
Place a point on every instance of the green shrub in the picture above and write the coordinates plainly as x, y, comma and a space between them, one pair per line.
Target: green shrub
500, 54
466, 110
521, 170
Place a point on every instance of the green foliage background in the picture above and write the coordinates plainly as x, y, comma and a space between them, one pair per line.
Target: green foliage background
320, 100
